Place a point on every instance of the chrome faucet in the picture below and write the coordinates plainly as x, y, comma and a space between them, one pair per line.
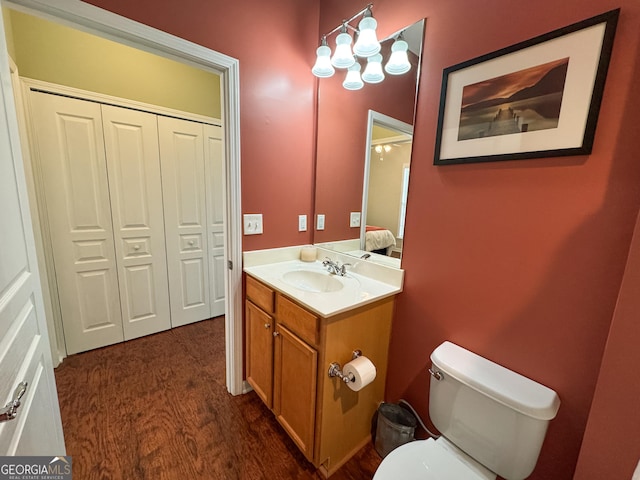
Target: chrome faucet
335, 268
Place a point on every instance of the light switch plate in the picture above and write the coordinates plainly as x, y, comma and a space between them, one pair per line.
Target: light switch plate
354, 219
320, 222
252, 223
302, 223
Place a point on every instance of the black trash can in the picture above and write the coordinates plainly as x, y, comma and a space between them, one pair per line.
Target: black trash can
396, 426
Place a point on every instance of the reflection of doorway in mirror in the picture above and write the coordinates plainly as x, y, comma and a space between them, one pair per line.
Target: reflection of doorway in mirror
386, 183
404, 195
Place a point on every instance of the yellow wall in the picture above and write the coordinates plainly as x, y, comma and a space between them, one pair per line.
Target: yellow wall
385, 187
6, 17
54, 53
379, 133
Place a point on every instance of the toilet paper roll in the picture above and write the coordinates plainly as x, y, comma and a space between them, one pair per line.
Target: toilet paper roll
363, 371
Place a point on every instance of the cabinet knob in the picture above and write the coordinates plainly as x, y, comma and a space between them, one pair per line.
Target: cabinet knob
267, 325
275, 334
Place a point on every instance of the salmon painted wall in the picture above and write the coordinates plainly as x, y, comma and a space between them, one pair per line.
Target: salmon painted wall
518, 261
275, 42
610, 448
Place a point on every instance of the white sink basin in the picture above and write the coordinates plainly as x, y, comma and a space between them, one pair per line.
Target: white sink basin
312, 281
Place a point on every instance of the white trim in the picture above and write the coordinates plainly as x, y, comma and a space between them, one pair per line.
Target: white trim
387, 122
40, 85
396, 139
100, 22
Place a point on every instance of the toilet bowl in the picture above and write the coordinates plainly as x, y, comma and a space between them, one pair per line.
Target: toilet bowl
431, 460
493, 422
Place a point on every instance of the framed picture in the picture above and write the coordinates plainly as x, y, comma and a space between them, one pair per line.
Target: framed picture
538, 98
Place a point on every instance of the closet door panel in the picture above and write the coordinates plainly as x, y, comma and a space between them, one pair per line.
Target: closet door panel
183, 188
215, 174
70, 147
133, 163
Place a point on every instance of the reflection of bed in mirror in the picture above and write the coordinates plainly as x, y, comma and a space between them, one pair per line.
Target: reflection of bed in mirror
379, 240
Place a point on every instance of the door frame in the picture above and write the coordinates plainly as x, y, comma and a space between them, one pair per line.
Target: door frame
97, 21
383, 120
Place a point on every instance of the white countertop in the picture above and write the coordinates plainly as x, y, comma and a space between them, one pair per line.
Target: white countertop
364, 282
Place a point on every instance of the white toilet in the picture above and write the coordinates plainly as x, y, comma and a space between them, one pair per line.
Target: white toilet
492, 420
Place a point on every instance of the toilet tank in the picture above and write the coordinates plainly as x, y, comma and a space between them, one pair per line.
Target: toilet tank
496, 416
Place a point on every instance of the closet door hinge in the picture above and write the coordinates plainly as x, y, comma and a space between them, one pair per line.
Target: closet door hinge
229, 264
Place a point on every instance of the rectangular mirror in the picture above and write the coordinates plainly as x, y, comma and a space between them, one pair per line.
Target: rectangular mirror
345, 181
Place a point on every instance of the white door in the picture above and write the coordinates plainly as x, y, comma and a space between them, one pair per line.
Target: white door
183, 188
70, 146
24, 347
215, 174
133, 164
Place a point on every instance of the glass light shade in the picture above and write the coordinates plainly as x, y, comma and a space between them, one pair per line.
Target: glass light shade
367, 43
343, 57
399, 60
353, 81
373, 72
323, 67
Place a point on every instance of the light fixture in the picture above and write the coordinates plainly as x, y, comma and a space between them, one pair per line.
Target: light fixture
343, 56
323, 67
373, 72
367, 43
353, 81
399, 60
383, 148
366, 46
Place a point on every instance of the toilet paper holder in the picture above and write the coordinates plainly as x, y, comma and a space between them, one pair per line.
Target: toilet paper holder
335, 371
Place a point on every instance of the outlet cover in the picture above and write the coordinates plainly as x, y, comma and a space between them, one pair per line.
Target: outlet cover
320, 222
252, 224
302, 223
354, 219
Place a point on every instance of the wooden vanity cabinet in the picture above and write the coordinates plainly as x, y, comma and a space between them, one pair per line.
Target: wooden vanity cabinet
260, 325
287, 366
294, 401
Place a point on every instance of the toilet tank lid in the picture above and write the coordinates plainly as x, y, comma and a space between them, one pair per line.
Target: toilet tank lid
503, 385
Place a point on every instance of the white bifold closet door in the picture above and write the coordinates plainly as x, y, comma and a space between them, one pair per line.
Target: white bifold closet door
109, 280
133, 165
185, 209
74, 175
215, 175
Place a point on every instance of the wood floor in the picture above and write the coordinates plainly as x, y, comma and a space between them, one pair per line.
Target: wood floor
157, 408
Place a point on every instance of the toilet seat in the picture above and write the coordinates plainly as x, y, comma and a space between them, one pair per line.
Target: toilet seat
431, 460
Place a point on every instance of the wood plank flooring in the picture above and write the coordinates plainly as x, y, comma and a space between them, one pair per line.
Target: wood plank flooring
157, 408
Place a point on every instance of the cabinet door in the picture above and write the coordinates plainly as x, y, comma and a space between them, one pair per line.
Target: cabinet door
133, 164
294, 398
259, 338
183, 189
214, 169
70, 146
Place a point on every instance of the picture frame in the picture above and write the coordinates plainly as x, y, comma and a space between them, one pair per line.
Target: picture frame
538, 98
